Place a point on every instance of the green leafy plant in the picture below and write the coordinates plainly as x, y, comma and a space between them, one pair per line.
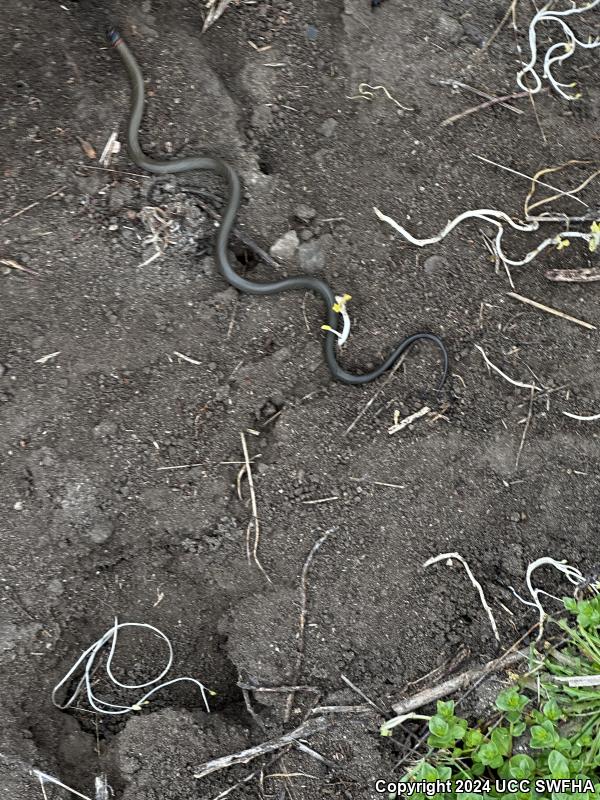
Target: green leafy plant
547, 729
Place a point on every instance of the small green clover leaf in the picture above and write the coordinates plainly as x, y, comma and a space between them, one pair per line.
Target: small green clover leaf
551, 710
558, 765
521, 766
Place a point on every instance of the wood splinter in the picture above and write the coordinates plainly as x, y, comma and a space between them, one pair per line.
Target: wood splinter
306, 729
574, 275
456, 683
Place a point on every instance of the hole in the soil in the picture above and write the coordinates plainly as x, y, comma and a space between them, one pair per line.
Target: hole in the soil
265, 165
80, 743
246, 257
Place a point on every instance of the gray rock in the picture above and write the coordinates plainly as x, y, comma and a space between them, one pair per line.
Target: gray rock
105, 429
262, 117
55, 587
329, 126
311, 255
101, 532
3, 369
435, 264
285, 247
304, 213
448, 29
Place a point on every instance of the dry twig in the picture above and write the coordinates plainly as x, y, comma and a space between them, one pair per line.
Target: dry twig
456, 683
482, 106
309, 728
528, 177
365, 408
360, 693
12, 264
588, 275
525, 429
550, 310
31, 205
341, 710
460, 85
404, 423
278, 689
216, 8
303, 613
254, 522
509, 12
529, 206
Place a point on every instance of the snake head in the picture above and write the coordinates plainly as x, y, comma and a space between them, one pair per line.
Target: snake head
113, 36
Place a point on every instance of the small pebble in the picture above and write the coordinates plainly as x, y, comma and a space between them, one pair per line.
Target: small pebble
285, 247
448, 29
304, 213
434, 264
311, 256
312, 33
105, 429
328, 127
55, 587
101, 532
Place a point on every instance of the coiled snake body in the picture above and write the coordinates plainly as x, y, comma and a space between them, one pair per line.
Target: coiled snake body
229, 214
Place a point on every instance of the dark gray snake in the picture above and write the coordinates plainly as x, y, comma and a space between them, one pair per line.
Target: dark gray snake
229, 213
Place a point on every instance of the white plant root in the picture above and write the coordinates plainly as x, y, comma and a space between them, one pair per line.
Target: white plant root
557, 53
499, 219
572, 574
88, 662
474, 581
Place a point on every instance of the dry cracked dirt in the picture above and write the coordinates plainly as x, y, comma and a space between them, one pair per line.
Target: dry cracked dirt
101, 516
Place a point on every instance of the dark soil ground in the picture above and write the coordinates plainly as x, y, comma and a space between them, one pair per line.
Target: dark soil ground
95, 523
